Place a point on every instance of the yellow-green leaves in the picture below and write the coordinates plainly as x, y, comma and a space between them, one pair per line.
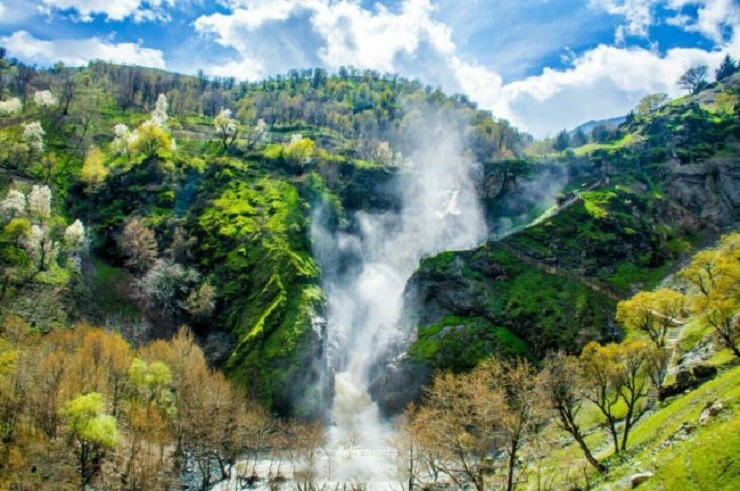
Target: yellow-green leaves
652, 313
149, 376
88, 422
94, 172
299, 152
715, 274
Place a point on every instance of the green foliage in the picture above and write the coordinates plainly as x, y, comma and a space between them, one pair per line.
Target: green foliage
88, 422
149, 376
516, 308
595, 201
460, 343
255, 241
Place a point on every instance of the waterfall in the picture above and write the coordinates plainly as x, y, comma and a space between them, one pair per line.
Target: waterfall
365, 272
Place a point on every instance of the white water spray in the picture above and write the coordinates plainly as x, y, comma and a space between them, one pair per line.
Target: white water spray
439, 211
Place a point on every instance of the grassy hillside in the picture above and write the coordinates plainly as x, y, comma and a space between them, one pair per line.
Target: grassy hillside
634, 208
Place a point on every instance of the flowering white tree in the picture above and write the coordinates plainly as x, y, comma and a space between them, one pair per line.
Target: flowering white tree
39, 202
74, 239
74, 235
44, 98
149, 137
257, 133
167, 286
33, 242
38, 238
33, 135
13, 205
11, 106
121, 141
226, 127
159, 115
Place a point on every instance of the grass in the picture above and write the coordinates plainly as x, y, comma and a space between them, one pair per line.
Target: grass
708, 458
628, 274
623, 142
461, 342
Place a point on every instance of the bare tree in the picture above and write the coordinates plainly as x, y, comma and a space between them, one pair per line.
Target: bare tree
694, 78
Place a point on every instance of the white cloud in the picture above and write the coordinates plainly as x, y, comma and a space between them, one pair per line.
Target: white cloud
2, 9
348, 33
604, 82
637, 13
715, 19
139, 10
77, 52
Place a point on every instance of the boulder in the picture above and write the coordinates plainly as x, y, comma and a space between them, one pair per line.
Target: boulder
711, 410
639, 478
703, 371
716, 408
683, 379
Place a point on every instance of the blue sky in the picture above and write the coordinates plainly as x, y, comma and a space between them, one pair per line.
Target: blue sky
542, 64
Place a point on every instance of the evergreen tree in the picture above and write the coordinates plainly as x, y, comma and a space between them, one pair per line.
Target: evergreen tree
562, 141
727, 68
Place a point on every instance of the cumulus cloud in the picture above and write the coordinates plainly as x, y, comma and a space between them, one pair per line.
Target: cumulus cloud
118, 10
637, 13
341, 33
715, 19
603, 82
77, 52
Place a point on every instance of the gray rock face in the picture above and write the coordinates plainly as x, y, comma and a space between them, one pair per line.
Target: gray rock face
710, 190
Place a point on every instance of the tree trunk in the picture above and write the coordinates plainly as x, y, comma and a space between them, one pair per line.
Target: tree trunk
571, 427
512, 463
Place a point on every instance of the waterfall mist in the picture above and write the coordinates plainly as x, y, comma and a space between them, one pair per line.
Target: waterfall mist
364, 275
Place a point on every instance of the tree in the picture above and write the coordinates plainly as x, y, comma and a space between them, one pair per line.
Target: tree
652, 313
458, 424
45, 99
227, 128
559, 384
93, 430
149, 140
139, 245
579, 138
13, 205
168, 286
522, 412
201, 301
727, 68
631, 372
39, 202
159, 115
694, 79
562, 141
33, 136
10, 106
600, 383
617, 373
299, 151
715, 273
94, 172
650, 103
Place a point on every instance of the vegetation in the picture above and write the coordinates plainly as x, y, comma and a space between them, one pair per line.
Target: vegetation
609, 395
143, 201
